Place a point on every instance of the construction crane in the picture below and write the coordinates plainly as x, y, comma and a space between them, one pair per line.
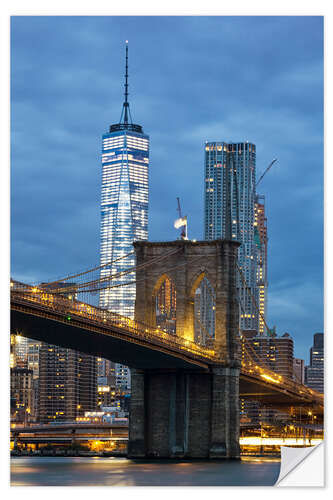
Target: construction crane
256, 195
181, 222
268, 168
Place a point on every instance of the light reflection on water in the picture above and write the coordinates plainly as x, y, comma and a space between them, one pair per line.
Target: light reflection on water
100, 471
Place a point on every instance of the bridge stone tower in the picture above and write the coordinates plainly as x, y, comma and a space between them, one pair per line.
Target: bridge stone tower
190, 413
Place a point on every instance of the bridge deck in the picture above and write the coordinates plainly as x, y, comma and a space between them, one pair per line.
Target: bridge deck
76, 325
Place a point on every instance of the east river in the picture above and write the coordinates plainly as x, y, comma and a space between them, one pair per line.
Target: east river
100, 471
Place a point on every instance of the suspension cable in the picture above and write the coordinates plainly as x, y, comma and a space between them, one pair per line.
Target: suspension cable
90, 270
107, 287
95, 283
247, 288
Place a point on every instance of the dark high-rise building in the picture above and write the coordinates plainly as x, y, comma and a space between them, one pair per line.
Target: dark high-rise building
299, 370
67, 383
21, 394
314, 373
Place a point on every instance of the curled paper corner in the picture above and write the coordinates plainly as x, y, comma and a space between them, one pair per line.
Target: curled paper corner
302, 466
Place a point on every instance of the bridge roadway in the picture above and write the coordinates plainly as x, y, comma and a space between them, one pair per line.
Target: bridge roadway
72, 324
65, 433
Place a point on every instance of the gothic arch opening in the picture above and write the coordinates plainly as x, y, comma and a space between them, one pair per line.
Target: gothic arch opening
165, 304
204, 311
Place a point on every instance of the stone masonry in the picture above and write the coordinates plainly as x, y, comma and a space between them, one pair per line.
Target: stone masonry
188, 413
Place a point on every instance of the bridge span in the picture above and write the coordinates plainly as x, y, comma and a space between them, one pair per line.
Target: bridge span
76, 325
185, 395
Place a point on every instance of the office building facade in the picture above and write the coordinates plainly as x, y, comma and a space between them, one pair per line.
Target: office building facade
124, 207
230, 176
21, 395
124, 213
67, 383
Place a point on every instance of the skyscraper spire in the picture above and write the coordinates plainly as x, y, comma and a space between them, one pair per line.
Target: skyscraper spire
126, 122
126, 87
126, 111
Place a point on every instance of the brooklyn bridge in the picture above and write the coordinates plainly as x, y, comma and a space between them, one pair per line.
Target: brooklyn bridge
185, 388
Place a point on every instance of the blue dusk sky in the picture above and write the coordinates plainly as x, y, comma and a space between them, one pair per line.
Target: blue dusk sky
192, 79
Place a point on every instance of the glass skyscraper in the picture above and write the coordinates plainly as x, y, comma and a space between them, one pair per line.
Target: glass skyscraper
124, 206
230, 176
124, 213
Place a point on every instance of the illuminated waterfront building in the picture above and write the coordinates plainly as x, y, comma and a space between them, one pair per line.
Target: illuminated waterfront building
230, 176
124, 212
19, 347
106, 391
105, 367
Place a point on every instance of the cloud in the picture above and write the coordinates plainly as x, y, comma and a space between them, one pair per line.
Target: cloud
192, 79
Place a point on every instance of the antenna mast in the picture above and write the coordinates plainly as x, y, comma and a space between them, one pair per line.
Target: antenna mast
126, 112
126, 88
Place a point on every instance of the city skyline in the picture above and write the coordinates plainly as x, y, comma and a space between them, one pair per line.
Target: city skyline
285, 122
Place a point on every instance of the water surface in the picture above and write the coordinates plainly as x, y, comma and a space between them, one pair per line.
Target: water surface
101, 471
